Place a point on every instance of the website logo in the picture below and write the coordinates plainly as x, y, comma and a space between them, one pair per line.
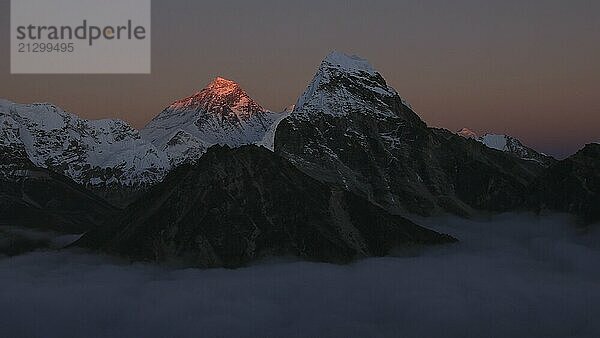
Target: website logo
80, 36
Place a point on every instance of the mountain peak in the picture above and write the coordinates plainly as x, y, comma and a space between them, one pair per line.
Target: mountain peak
81, 149
222, 86
221, 113
508, 144
221, 96
220, 79
344, 84
348, 63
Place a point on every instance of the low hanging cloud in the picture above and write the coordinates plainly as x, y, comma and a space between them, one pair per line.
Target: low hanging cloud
511, 276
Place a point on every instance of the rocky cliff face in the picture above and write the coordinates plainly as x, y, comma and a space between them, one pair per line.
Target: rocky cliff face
351, 129
13, 156
237, 205
571, 185
222, 113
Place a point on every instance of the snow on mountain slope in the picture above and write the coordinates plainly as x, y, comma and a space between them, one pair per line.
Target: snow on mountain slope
91, 152
352, 130
507, 144
498, 142
513, 146
222, 113
269, 140
13, 156
345, 84
103, 153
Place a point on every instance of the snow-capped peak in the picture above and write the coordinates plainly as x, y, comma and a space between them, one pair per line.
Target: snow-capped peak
221, 97
223, 86
347, 84
92, 152
221, 113
348, 63
495, 141
507, 144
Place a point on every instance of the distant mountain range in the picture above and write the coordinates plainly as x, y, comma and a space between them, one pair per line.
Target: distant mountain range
341, 170
115, 160
108, 156
508, 144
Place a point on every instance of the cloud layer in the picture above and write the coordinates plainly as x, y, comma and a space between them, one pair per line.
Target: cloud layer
514, 275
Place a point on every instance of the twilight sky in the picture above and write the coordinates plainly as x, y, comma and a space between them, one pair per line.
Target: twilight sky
527, 68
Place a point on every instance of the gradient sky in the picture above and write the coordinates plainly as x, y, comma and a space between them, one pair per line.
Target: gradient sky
527, 68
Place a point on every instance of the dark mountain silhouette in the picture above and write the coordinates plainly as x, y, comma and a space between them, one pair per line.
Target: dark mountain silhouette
571, 185
39, 198
238, 205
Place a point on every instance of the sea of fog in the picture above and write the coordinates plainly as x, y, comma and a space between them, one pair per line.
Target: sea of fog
510, 276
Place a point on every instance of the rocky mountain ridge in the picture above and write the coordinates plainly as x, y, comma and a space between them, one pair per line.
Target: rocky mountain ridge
351, 129
571, 185
234, 206
509, 145
351, 160
117, 161
97, 153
